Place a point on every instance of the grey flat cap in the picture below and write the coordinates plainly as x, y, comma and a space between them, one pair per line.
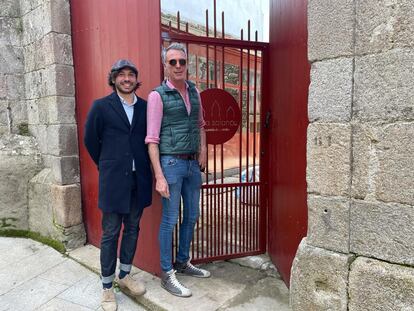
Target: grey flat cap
122, 63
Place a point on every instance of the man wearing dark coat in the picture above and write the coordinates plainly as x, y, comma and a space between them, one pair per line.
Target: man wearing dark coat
115, 133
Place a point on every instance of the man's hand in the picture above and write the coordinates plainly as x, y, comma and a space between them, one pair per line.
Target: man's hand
161, 186
202, 159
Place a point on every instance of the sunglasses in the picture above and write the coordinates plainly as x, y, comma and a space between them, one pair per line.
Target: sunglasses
173, 62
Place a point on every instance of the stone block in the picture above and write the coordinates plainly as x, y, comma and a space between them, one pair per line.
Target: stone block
3, 87
9, 8
19, 162
40, 133
10, 31
12, 86
383, 86
35, 25
319, 279
62, 48
51, 49
328, 158
4, 129
328, 223
73, 237
65, 170
28, 5
377, 285
37, 111
11, 59
18, 111
37, 53
61, 110
33, 84
4, 112
365, 162
330, 28
383, 25
66, 203
382, 231
40, 204
50, 81
58, 80
330, 91
383, 162
51, 110
59, 11
62, 140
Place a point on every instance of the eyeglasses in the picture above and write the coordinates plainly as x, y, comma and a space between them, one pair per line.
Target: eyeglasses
173, 62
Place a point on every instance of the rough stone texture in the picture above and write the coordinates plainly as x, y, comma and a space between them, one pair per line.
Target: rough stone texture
51, 110
48, 16
328, 158
330, 28
383, 86
376, 285
384, 25
10, 31
383, 162
365, 162
9, 8
319, 279
62, 140
12, 86
54, 80
59, 11
66, 203
52, 48
65, 170
383, 231
34, 25
4, 116
72, 237
61, 110
330, 91
11, 59
28, 5
42, 199
19, 162
328, 223
40, 207
18, 111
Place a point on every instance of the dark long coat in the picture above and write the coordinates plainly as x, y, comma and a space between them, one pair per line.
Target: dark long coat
112, 144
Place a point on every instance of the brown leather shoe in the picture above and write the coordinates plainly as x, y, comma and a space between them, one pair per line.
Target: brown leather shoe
131, 287
108, 302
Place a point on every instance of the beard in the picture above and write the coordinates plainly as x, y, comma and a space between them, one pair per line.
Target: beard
122, 90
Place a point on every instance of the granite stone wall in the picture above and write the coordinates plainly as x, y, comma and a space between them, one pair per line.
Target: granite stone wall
37, 100
358, 254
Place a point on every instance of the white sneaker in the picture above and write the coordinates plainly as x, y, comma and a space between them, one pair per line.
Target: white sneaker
170, 283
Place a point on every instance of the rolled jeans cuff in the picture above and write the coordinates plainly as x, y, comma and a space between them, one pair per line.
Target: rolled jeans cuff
108, 279
125, 267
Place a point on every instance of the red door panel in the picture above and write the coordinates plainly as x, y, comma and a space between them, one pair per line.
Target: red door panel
289, 80
103, 31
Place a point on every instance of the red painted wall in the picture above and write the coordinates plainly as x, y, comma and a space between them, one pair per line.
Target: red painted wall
102, 32
289, 80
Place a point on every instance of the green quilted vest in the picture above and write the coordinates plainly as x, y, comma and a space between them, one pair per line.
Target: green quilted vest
180, 132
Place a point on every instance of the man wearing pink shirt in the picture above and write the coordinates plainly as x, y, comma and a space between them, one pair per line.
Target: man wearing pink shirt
177, 148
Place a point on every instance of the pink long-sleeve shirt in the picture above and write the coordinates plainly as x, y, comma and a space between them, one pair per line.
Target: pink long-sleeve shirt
155, 113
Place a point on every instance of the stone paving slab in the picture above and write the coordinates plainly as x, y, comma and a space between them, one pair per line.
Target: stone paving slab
232, 286
37, 277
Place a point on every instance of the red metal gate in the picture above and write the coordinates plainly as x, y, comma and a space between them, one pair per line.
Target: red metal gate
233, 206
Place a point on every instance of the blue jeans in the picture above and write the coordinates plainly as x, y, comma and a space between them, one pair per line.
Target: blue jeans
111, 227
184, 180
